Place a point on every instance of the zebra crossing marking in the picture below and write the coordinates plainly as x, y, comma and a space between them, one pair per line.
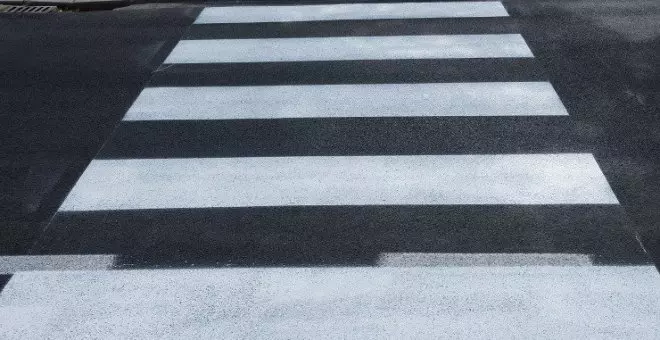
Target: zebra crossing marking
340, 180
361, 100
347, 303
258, 14
350, 48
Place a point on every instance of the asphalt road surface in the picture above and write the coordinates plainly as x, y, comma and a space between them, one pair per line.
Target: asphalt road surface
405, 170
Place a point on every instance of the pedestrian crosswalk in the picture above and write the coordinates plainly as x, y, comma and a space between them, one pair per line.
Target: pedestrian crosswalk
276, 136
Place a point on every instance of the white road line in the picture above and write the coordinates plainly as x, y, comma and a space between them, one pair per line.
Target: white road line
13, 264
335, 303
340, 180
364, 100
350, 48
481, 259
247, 14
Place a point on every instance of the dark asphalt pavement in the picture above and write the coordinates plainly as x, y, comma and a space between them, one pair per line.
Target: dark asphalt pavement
69, 80
602, 59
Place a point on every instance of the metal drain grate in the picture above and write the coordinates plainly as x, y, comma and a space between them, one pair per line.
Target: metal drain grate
28, 9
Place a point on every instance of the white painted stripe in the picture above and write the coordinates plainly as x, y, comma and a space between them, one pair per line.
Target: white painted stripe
481, 259
247, 14
14, 264
335, 303
364, 100
340, 180
350, 48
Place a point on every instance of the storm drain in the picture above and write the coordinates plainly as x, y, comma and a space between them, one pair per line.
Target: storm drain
27, 9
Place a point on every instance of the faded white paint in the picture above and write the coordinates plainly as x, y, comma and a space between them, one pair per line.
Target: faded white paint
16, 263
481, 259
